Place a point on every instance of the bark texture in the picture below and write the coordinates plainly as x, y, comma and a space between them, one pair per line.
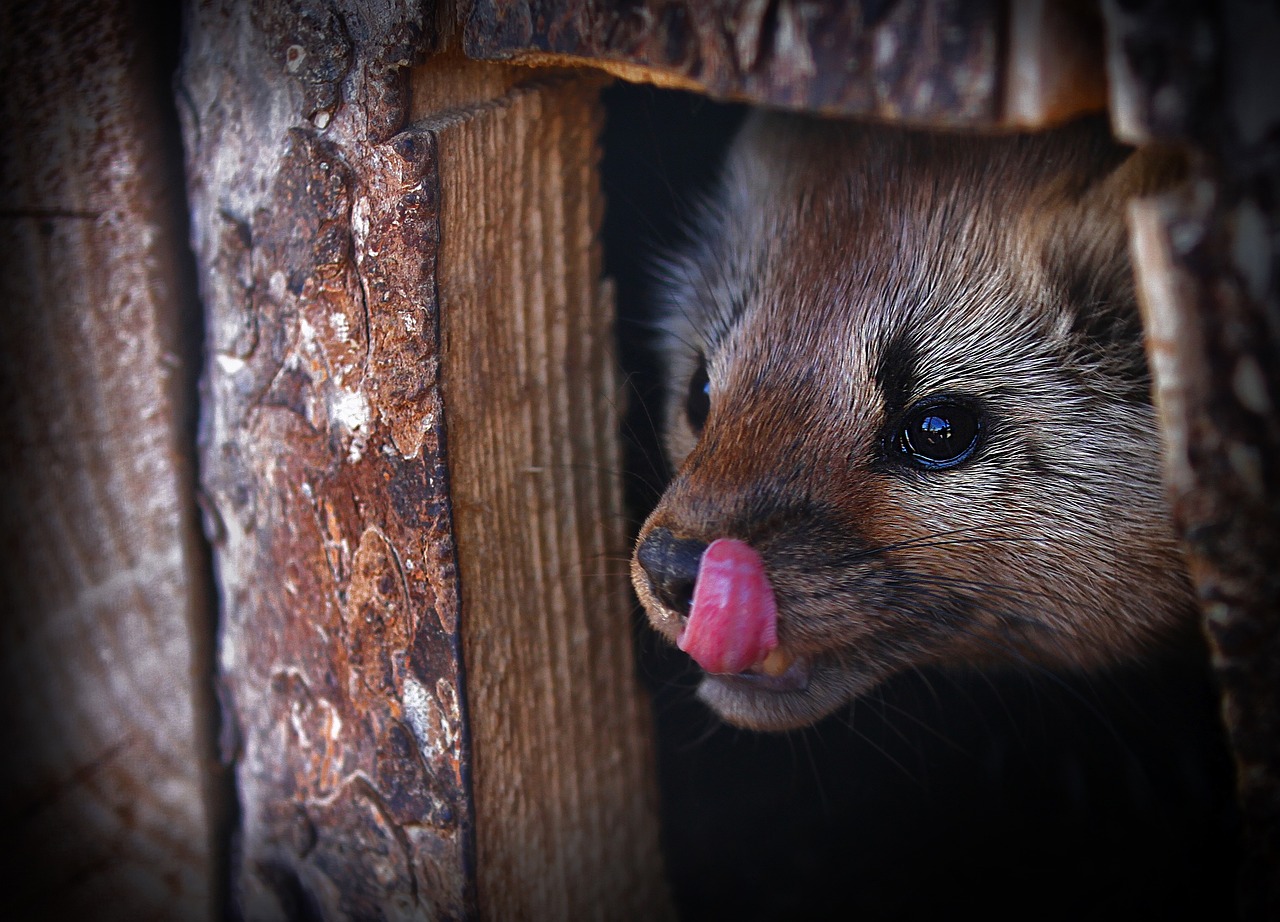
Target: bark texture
316, 231
1208, 263
931, 62
407, 445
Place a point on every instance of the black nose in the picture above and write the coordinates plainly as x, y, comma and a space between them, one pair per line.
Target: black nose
672, 566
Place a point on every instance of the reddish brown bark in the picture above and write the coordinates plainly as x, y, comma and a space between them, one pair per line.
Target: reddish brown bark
931, 62
404, 323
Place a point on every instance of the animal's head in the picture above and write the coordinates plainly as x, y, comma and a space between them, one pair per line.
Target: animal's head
909, 414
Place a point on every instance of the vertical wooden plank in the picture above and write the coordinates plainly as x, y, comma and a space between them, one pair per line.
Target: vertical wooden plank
105, 679
566, 823
1207, 260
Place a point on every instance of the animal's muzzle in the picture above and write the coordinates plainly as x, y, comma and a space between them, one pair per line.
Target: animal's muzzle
671, 564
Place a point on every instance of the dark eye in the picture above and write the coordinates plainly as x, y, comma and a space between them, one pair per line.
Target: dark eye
697, 402
938, 434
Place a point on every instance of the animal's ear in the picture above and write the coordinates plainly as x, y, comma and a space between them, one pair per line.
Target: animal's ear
1101, 206
1087, 260
1146, 171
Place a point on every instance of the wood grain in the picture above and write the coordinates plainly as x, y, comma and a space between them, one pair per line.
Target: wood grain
563, 766
106, 679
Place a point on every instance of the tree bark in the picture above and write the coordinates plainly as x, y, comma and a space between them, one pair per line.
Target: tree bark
935, 63
408, 446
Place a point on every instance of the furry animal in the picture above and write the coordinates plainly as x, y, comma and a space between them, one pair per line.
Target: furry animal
909, 411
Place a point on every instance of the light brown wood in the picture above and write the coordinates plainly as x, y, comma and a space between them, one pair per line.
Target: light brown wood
563, 767
1055, 67
106, 678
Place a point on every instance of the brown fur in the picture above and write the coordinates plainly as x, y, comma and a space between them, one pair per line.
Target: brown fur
843, 272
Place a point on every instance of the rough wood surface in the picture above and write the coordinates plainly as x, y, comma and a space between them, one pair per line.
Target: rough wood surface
106, 762
351, 201
935, 62
1208, 262
565, 798
922, 60
316, 228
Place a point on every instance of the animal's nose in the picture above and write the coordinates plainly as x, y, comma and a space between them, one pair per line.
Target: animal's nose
671, 564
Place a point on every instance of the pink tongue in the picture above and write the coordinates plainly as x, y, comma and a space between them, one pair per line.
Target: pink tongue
733, 622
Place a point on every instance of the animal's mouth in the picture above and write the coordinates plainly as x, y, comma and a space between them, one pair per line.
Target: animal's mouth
729, 625
780, 671
806, 690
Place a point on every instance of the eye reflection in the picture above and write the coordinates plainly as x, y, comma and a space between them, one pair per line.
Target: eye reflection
697, 404
935, 435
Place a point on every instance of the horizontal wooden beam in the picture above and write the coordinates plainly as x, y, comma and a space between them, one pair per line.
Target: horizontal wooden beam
992, 64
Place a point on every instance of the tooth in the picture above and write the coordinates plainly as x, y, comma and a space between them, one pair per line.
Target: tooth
777, 662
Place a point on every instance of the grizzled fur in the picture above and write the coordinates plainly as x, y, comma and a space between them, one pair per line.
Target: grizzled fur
841, 274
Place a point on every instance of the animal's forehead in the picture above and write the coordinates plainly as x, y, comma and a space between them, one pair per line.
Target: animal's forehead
908, 333
849, 248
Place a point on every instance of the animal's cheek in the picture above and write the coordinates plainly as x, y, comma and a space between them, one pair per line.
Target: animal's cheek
840, 602
679, 443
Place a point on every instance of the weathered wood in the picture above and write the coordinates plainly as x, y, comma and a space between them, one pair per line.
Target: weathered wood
934, 62
344, 219
926, 60
564, 793
1208, 263
106, 680
316, 231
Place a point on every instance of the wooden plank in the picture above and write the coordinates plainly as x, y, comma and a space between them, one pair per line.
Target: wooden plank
1208, 266
930, 61
934, 62
565, 797
106, 672
362, 477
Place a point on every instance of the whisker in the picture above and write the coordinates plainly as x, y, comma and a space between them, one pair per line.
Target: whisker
882, 750
1004, 590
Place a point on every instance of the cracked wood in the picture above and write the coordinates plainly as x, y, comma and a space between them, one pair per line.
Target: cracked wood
373, 261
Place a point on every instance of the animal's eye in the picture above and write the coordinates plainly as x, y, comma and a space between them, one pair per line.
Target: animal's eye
697, 403
939, 434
